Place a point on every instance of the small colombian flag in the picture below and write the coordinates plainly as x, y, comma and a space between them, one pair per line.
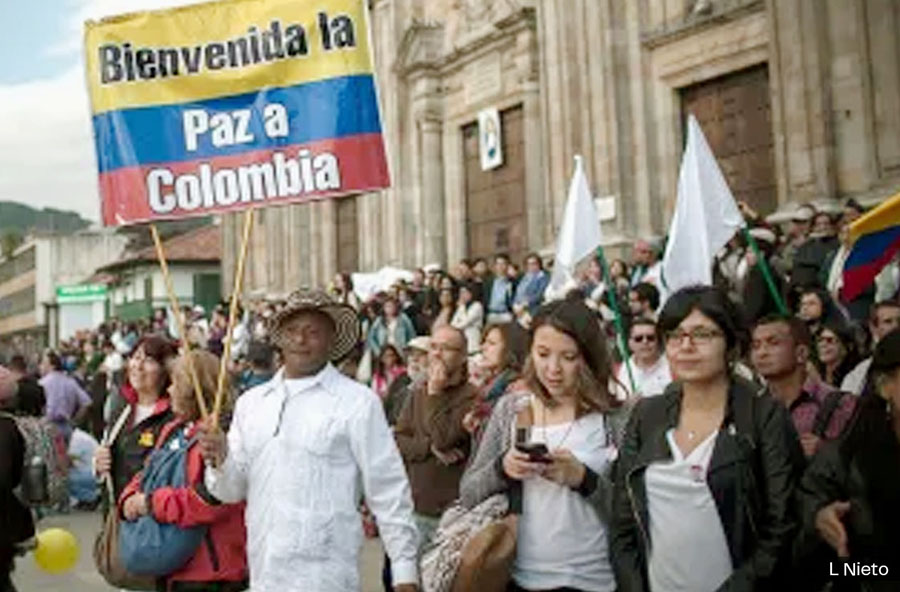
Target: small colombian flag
876, 239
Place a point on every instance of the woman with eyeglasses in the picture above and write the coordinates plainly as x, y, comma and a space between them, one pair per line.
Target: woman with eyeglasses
646, 373
836, 351
706, 471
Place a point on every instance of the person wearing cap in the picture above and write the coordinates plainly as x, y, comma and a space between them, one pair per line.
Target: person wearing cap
850, 495
797, 233
303, 450
416, 373
756, 295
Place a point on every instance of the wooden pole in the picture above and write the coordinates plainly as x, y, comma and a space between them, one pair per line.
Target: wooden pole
176, 310
232, 313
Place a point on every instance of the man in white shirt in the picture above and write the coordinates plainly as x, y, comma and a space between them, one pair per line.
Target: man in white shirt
646, 266
884, 317
303, 450
649, 367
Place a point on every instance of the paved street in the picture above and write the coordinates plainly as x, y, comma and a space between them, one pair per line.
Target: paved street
29, 578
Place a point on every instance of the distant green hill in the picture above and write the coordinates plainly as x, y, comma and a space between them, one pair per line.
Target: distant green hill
16, 218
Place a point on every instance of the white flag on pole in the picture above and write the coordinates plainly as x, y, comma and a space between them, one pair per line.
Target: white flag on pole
706, 216
579, 234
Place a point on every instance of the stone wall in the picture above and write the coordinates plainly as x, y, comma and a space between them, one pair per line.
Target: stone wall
599, 78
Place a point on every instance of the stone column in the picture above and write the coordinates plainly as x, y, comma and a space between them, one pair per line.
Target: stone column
539, 227
454, 190
432, 193
328, 245
804, 155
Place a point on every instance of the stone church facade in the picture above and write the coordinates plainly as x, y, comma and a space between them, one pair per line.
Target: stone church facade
799, 99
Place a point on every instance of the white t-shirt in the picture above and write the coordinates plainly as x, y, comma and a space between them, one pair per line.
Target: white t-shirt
142, 412
649, 383
561, 540
689, 549
855, 381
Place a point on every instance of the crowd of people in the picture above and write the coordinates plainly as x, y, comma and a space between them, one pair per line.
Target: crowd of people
718, 442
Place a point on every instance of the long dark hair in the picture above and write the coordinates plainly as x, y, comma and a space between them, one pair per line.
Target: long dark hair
472, 288
575, 319
712, 303
516, 342
845, 335
379, 368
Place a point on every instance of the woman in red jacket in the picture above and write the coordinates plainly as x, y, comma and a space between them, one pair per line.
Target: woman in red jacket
220, 563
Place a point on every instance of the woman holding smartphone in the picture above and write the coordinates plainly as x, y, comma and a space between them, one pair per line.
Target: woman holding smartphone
556, 473
706, 470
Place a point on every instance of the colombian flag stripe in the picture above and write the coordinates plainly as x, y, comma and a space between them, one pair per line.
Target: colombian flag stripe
334, 108
877, 240
125, 191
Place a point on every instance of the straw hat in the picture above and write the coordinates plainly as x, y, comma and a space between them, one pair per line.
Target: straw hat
346, 325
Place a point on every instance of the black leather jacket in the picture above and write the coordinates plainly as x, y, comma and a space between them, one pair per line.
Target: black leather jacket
16, 524
867, 476
755, 464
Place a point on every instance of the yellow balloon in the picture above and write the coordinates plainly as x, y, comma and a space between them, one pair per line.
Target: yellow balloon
57, 550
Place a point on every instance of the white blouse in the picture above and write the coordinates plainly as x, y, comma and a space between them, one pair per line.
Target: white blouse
689, 549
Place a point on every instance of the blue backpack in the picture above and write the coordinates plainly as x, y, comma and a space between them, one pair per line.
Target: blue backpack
147, 547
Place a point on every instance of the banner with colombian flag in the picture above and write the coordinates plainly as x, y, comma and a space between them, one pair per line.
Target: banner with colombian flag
876, 240
219, 106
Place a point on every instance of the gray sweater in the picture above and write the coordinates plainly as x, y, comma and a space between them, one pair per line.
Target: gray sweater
484, 476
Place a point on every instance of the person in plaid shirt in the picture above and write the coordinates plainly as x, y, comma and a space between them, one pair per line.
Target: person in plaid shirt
780, 353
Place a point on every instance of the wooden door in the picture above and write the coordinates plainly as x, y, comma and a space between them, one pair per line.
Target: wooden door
735, 114
495, 199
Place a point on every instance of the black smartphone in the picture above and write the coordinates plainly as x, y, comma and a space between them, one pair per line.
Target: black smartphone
536, 451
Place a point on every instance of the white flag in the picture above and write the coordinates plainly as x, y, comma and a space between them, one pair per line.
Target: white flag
706, 216
579, 234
